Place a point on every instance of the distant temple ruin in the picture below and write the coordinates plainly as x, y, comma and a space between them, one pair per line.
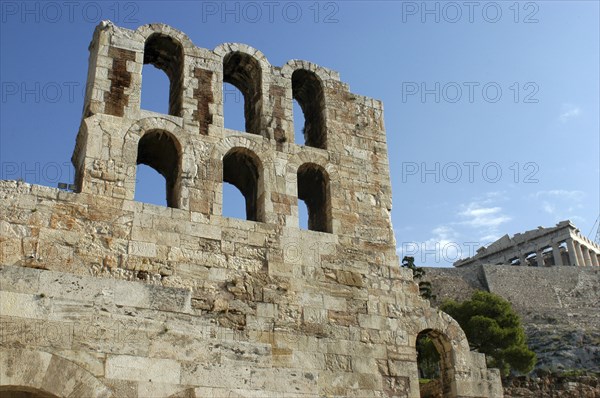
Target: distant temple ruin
562, 244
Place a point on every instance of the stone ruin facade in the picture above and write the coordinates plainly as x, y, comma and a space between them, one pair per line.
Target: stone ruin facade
103, 296
562, 244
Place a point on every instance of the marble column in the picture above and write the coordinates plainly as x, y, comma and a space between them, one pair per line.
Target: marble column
571, 252
539, 257
556, 255
586, 255
594, 258
579, 253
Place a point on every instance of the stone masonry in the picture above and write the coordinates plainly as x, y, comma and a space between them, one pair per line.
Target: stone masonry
102, 296
558, 307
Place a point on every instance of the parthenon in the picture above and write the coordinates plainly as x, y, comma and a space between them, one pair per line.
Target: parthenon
562, 244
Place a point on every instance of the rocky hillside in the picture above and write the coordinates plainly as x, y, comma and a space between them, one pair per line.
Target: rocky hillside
559, 307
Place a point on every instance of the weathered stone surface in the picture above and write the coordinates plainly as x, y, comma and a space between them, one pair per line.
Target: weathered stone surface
558, 307
102, 296
554, 386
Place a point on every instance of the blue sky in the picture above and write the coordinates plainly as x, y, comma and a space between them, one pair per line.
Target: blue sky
491, 108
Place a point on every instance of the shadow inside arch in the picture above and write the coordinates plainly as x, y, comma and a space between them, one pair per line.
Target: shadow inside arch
435, 362
23, 392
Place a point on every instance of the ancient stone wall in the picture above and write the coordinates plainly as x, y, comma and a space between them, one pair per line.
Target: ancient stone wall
143, 300
553, 386
558, 307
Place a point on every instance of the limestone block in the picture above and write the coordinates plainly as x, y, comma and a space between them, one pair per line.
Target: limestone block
282, 380
169, 299
314, 315
148, 389
341, 383
266, 310
126, 367
128, 294
19, 332
143, 249
18, 367
19, 280
309, 360
91, 361
216, 375
372, 321
334, 303
122, 388
23, 305
365, 365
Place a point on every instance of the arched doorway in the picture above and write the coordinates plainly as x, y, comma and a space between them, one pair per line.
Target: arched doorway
434, 363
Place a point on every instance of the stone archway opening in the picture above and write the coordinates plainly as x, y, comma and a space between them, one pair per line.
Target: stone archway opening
159, 150
243, 72
308, 91
314, 191
243, 170
166, 54
23, 392
435, 364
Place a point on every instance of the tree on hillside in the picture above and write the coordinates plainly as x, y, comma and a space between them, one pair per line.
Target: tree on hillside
428, 359
418, 273
493, 328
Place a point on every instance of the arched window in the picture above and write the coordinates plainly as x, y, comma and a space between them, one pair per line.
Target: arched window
299, 122
242, 169
155, 93
434, 362
308, 91
243, 71
147, 182
313, 189
233, 108
166, 54
302, 215
159, 150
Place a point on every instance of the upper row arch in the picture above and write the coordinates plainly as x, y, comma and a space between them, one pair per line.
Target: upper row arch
324, 74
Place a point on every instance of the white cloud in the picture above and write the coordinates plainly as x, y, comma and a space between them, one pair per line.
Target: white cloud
576, 219
548, 208
560, 203
561, 194
447, 243
441, 249
569, 111
488, 239
483, 217
496, 195
444, 232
